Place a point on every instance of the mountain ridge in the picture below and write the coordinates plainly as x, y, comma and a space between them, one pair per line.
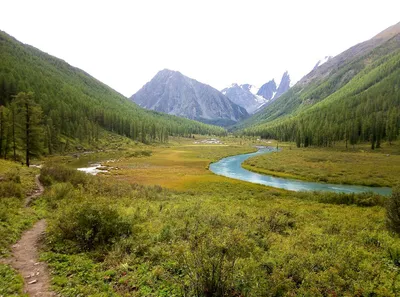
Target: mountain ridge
332, 96
245, 95
76, 106
176, 94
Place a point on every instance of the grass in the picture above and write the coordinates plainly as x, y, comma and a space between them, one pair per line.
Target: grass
11, 283
194, 233
340, 166
176, 167
16, 182
201, 232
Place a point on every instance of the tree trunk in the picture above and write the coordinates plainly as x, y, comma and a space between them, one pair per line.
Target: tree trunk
27, 134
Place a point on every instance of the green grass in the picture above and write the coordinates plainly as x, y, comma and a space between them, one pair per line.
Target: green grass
210, 233
360, 166
16, 182
11, 283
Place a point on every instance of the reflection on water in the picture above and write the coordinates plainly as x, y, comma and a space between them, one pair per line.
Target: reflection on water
231, 167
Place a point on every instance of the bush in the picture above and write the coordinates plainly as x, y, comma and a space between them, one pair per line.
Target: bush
367, 199
280, 221
90, 224
137, 154
49, 174
11, 283
10, 189
393, 211
59, 192
211, 264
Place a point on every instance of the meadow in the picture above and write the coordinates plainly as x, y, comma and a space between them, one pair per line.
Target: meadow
339, 165
160, 224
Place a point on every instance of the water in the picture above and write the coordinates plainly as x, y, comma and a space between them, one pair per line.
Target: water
231, 167
93, 169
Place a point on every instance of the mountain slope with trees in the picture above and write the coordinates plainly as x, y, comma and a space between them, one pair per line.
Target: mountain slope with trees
353, 97
75, 107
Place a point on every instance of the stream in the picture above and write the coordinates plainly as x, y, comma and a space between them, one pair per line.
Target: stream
232, 167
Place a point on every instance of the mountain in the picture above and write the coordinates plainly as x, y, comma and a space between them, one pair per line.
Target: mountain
284, 86
173, 93
268, 90
322, 61
245, 96
353, 97
254, 99
76, 106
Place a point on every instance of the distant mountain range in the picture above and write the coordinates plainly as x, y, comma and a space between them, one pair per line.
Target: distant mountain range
176, 94
254, 99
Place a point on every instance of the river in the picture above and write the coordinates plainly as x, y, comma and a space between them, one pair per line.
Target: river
232, 167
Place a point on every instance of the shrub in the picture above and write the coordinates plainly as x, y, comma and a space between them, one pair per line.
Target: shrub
393, 211
59, 192
211, 264
58, 173
280, 220
11, 284
90, 224
367, 199
10, 189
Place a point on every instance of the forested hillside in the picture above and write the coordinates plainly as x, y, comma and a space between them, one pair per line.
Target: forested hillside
354, 100
73, 105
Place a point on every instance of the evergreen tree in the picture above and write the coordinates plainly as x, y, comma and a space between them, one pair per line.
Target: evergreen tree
29, 123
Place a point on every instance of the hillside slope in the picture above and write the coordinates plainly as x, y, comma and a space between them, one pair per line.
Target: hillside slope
353, 94
75, 105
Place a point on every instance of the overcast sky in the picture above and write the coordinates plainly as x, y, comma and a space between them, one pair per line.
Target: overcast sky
125, 43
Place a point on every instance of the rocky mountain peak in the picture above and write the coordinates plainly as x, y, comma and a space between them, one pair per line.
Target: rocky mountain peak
174, 93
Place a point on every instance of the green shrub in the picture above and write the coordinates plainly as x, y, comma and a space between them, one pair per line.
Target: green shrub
90, 224
367, 199
51, 174
10, 189
394, 255
144, 153
13, 176
11, 284
212, 261
393, 211
59, 192
280, 221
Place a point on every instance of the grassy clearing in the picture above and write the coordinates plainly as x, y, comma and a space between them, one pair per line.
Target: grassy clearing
179, 166
360, 167
210, 236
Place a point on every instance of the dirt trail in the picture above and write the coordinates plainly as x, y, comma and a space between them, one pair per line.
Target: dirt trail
36, 193
25, 255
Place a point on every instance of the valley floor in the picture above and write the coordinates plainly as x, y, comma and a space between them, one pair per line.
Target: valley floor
159, 223
359, 165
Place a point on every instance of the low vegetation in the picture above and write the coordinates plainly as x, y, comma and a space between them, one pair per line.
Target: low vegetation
11, 284
200, 234
213, 236
393, 211
16, 182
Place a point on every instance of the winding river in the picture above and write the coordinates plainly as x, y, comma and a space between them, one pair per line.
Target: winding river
232, 167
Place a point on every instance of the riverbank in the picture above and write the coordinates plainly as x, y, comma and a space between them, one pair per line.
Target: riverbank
122, 234
380, 168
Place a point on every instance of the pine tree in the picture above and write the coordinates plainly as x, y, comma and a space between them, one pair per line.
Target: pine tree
29, 122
